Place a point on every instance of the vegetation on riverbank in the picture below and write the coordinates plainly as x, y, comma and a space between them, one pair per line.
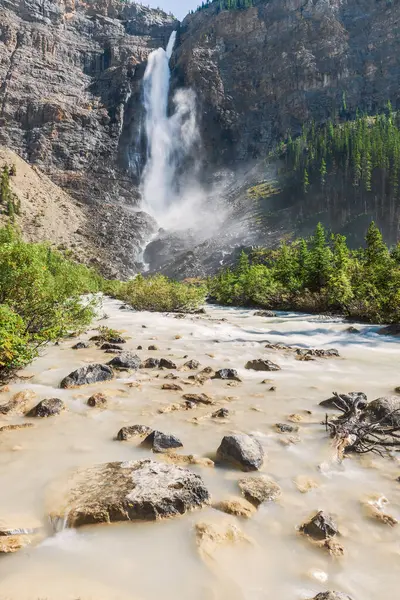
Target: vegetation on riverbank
41, 297
319, 274
157, 293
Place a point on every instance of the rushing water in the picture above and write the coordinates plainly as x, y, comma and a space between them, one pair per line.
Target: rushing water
153, 560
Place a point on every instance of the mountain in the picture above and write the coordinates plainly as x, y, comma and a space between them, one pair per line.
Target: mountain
71, 104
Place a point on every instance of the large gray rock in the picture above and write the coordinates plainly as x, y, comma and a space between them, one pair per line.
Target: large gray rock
320, 527
230, 374
87, 375
241, 450
129, 491
393, 329
260, 364
162, 442
47, 408
125, 360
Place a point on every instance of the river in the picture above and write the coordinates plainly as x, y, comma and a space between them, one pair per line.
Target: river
161, 559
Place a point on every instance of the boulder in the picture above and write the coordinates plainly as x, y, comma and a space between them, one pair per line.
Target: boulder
97, 400
259, 489
265, 313
230, 374
165, 363
126, 433
393, 329
352, 330
88, 375
386, 410
285, 428
152, 348
198, 398
174, 387
162, 442
242, 450
108, 346
126, 360
262, 365
310, 352
191, 365
320, 527
151, 363
345, 401
19, 403
130, 491
117, 339
47, 408
222, 413
81, 346
331, 596
171, 376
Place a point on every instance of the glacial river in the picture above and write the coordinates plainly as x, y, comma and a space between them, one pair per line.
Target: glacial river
270, 559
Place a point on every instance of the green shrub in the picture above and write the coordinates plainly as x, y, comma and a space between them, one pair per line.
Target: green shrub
315, 275
15, 349
157, 293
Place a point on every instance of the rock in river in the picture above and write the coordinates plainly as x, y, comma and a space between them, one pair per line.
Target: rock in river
393, 329
130, 491
126, 433
97, 400
345, 401
126, 360
108, 346
265, 313
19, 403
88, 375
259, 489
262, 365
242, 450
230, 374
162, 442
81, 346
320, 527
386, 410
16, 533
47, 408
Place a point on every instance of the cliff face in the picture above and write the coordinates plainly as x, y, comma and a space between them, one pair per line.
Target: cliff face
263, 71
70, 76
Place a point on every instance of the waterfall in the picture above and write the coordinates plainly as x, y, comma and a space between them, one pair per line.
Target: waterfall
171, 139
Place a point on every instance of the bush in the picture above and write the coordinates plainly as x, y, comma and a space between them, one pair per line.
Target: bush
41, 295
316, 275
157, 293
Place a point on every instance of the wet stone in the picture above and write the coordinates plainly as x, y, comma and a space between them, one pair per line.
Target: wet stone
285, 428
87, 375
352, 330
81, 346
241, 450
265, 313
174, 387
238, 507
198, 398
222, 413
15, 427
171, 376
152, 347
126, 433
19, 403
229, 374
386, 410
162, 442
259, 489
151, 363
262, 365
165, 363
97, 400
108, 346
320, 527
139, 348
393, 329
129, 491
191, 365
47, 408
126, 360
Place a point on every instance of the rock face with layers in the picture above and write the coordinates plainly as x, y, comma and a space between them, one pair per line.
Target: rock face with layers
143, 490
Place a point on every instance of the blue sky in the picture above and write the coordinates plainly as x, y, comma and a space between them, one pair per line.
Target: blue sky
180, 8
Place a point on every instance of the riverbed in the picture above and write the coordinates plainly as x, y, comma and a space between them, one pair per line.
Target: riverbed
147, 561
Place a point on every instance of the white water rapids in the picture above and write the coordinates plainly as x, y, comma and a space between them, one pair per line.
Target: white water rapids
148, 561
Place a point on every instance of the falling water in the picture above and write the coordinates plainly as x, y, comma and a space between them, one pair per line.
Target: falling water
170, 138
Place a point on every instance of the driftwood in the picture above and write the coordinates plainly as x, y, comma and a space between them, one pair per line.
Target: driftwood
362, 428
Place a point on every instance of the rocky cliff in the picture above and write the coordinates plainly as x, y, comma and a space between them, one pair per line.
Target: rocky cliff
70, 100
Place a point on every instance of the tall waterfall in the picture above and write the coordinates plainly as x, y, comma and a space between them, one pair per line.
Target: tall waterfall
170, 138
